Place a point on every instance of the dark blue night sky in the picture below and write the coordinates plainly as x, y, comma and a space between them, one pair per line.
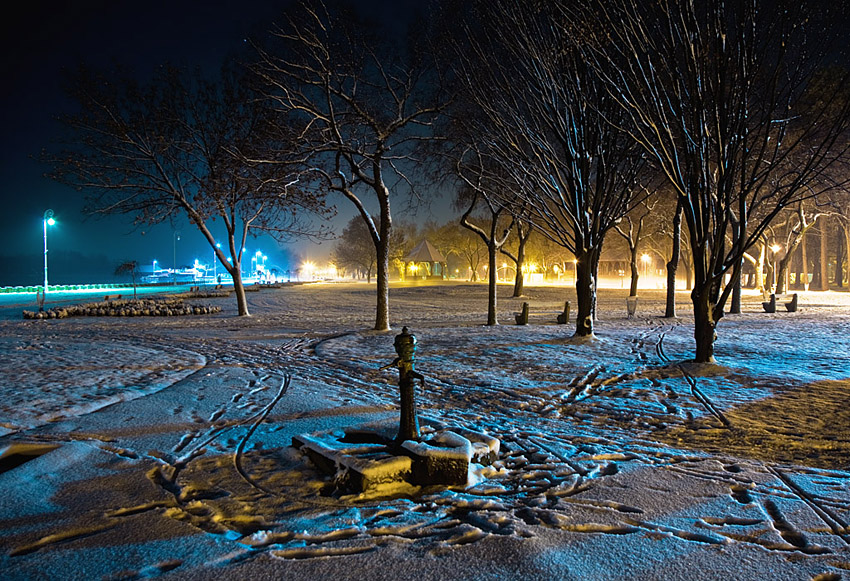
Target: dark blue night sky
40, 39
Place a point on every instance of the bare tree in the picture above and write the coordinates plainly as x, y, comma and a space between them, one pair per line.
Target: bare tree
354, 249
802, 219
131, 267
452, 238
523, 229
633, 234
363, 103
546, 121
177, 146
492, 232
712, 91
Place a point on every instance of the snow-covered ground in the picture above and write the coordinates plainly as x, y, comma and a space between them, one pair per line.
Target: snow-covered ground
619, 459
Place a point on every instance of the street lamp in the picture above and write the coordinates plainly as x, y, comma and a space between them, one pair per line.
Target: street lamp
48, 221
646, 259
174, 263
215, 260
775, 248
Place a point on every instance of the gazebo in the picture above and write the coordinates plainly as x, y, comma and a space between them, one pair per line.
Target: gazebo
425, 254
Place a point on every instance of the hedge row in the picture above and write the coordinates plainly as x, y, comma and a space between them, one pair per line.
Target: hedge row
131, 308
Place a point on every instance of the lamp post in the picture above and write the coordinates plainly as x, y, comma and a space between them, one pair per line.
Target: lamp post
174, 258
48, 221
775, 248
646, 259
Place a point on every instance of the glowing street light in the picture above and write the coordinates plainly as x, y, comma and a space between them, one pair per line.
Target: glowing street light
646, 259
775, 248
48, 221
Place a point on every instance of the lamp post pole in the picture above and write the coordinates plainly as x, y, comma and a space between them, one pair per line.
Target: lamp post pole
174, 257
48, 220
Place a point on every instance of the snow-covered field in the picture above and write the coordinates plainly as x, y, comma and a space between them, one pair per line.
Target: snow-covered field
619, 459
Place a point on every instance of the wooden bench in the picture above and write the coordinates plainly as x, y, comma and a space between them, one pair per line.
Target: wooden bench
790, 305
522, 318
110, 297
564, 317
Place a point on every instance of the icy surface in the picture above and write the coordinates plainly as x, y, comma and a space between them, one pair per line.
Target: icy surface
619, 459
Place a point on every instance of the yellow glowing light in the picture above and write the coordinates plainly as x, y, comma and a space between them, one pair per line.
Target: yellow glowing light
646, 258
776, 248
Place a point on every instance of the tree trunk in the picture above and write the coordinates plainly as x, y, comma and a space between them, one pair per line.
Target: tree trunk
846, 227
585, 293
382, 311
239, 290
491, 284
760, 274
673, 263
804, 258
519, 279
735, 306
523, 235
633, 265
824, 257
705, 324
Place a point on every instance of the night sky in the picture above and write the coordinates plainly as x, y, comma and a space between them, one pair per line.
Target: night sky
40, 39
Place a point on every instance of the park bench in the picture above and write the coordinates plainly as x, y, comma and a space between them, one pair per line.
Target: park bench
522, 318
790, 304
564, 317
110, 297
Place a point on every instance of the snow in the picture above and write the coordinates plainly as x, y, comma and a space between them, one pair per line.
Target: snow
613, 461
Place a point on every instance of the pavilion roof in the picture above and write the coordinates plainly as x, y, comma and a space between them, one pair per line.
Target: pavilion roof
425, 252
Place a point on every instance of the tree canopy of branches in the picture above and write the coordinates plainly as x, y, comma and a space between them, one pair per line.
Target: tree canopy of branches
363, 104
712, 92
546, 120
354, 249
178, 146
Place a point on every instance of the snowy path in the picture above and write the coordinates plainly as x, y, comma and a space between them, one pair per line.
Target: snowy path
614, 465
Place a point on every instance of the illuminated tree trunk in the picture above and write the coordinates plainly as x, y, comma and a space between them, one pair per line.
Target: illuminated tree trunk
492, 272
382, 274
705, 325
824, 258
586, 292
804, 258
673, 263
846, 227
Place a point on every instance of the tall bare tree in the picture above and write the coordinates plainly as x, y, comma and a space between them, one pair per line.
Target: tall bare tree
493, 231
178, 146
364, 104
712, 91
545, 117
631, 228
